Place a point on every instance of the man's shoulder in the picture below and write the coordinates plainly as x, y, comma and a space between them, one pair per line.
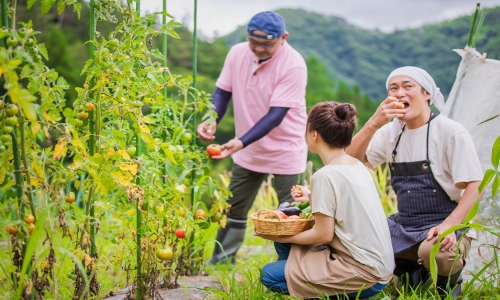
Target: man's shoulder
292, 55
239, 50
447, 126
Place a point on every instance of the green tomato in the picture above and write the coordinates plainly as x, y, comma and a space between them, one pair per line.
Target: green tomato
11, 41
5, 138
78, 122
22, 32
11, 110
131, 150
29, 43
11, 121
37, 58
1, 104
186, 137
8, 129
113, 43
2, 148
179, 148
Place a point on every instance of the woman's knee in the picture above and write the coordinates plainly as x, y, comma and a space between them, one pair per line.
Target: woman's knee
273, 276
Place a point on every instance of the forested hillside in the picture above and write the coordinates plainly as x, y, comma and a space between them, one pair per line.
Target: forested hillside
365, 57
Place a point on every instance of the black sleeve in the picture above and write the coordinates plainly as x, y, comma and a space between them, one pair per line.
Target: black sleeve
221, 99
272, 119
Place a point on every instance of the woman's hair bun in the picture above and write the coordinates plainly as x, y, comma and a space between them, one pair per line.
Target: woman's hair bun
345, 111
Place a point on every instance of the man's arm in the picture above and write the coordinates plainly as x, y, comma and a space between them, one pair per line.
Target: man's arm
273, 118
360, 142
220, 99
456, 217
387, 110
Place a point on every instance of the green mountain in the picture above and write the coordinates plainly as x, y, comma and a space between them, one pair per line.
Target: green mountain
366, 57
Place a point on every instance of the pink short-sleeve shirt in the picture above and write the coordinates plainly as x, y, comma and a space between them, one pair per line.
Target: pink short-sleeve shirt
280, 81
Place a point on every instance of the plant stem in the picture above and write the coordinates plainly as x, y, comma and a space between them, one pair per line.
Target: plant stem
26, 164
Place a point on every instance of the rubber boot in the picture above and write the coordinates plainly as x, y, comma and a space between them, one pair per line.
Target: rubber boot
452, 284
229, 241
410, 272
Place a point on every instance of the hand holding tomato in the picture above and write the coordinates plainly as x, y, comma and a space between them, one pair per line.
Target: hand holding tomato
230, 148
206, 131
300, 193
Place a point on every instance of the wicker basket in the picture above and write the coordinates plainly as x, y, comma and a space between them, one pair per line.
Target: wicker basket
279, 226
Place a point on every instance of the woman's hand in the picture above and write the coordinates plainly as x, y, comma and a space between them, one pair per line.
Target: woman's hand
300, 193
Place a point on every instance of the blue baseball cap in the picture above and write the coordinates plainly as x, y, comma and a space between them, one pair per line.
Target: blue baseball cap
269, 22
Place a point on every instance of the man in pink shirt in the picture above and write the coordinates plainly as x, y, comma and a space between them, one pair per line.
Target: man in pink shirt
266, 78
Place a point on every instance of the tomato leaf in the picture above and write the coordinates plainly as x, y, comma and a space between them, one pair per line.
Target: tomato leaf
60, 6
30, 3
43, 50
46, 5
24, 99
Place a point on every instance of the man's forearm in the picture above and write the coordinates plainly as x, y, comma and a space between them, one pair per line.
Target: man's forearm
467, 200
360, 142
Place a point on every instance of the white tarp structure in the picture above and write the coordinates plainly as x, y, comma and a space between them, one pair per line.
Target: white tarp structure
475, 97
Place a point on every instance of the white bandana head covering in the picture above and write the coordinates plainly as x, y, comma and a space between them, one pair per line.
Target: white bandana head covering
425, 80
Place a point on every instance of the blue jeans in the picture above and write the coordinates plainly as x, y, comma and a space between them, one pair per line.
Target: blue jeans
273, 275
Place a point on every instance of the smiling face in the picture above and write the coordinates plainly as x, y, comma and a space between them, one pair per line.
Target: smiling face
264, 48
413, 97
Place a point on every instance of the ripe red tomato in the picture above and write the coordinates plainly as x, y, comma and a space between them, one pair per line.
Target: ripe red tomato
214, 150
294, 217
89, 106
180, 233
276, 214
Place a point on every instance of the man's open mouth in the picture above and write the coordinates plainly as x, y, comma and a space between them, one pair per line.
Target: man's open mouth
405, 103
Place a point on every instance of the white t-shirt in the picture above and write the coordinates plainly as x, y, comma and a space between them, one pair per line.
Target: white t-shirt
278, 82
451, 152
348, 194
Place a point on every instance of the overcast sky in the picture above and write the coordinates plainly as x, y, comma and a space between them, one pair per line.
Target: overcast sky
224, 16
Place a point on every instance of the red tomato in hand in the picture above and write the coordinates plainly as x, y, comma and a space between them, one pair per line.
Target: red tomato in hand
214, 150
180, 233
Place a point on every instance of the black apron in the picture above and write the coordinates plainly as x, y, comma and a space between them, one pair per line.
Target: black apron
422, 202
